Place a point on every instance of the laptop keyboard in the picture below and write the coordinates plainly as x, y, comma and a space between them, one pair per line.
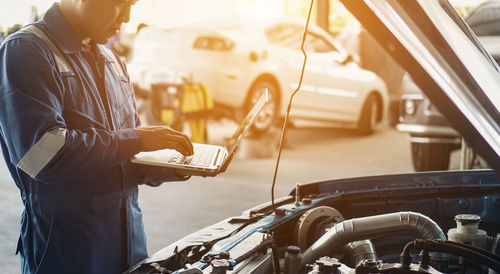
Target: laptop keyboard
202, 157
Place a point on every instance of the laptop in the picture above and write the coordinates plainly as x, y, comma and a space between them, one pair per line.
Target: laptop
207, 160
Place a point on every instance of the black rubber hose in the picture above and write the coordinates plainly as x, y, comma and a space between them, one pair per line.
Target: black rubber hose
476, 249
467, 253
490, 260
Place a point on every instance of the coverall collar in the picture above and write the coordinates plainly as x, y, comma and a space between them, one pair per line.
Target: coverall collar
60, 31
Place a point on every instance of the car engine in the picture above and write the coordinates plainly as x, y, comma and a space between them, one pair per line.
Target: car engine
421, 223
325, 243
342, 247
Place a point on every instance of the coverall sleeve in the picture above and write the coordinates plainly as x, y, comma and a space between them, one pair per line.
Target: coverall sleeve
155, 176
33, 127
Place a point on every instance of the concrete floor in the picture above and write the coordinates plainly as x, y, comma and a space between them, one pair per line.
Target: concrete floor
176, 209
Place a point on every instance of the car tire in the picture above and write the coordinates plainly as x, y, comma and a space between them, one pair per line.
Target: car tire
269, 115
368, 121
429, 157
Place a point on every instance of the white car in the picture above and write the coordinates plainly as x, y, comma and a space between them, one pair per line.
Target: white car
237, 59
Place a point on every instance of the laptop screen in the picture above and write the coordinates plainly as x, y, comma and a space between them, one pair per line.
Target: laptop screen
247, 123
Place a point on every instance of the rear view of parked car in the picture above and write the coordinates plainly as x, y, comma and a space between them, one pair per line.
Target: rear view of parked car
238, 59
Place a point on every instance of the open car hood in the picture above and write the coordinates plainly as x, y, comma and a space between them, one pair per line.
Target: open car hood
447, 62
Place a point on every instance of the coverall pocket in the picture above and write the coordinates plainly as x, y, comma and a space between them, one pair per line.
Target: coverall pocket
24, 227
123, 90
124, 104
82, 105
43, 266
76, 89
136, 237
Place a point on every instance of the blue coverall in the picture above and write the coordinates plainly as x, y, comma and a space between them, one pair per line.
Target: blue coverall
66, 131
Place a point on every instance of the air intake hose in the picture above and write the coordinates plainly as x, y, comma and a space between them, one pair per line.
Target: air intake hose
361, 250
372, 227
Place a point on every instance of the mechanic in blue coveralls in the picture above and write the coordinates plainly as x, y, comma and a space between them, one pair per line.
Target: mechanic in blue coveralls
68, 129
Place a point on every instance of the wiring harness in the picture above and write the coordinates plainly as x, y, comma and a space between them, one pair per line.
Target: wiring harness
475, 254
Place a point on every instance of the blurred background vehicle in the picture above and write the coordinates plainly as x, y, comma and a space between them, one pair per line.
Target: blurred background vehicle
432, 140
237, 59
373, 57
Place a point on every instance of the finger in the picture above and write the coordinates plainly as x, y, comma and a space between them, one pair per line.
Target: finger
186, 143
179, 143
184, 140
172, 144
190, 144
180, 134
179, 147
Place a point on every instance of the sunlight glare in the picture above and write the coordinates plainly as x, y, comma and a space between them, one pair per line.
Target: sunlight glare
20, 11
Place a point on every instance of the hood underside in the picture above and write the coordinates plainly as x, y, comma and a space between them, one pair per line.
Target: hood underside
445, 59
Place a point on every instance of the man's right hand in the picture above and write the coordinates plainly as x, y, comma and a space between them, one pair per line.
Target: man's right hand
161, 137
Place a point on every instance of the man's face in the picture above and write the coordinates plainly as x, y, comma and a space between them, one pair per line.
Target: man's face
103, 18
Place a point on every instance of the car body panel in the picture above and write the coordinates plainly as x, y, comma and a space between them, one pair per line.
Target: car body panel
421, 120
429, 131
330, 90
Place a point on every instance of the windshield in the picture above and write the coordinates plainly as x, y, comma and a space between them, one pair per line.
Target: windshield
290, 36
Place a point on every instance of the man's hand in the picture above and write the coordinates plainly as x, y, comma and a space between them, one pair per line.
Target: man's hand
161, 137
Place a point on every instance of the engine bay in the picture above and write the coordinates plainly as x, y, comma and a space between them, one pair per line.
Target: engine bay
324, 228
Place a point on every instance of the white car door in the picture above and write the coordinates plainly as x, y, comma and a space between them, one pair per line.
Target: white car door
286, 39
328, 88
335, 89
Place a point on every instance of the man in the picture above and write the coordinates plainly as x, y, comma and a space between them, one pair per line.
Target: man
68, 127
